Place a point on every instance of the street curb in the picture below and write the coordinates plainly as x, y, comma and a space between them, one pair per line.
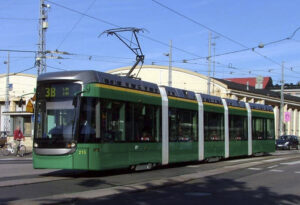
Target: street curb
16, 159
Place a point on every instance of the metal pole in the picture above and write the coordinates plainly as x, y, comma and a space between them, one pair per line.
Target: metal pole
281, 118
209, 66
214, 64
170, 65
6, 118
41, 59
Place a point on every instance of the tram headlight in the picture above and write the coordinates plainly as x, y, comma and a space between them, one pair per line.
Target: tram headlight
35, 145
71, 145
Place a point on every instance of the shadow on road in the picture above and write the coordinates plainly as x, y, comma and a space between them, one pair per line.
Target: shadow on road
209, 191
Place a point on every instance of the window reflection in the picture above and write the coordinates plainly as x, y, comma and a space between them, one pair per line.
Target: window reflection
183, 125
262, 128
116, 121
87, 120
238, 127
213, 126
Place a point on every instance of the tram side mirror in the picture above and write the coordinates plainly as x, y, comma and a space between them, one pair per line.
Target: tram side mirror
76, 98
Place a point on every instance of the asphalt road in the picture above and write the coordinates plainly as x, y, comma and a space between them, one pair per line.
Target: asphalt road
271, 179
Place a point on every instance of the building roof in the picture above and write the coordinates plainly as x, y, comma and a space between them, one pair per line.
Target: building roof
18, 74
251, 81
251, 89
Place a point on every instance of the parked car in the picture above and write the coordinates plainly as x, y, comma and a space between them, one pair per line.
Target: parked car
287, 142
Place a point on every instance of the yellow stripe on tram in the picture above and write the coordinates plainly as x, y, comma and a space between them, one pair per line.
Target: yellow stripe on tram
182, 99
212, 104
262, 111
127, 90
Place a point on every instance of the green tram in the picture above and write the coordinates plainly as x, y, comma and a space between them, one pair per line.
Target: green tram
90, 120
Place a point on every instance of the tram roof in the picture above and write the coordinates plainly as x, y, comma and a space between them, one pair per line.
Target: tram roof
91, 76
261, 107
211, 99
235, 103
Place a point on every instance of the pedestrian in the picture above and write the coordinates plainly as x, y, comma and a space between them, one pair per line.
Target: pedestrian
18, 137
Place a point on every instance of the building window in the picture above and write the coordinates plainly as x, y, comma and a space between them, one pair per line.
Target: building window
27, 126
24, 123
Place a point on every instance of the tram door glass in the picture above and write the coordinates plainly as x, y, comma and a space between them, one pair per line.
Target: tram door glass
143, 122
213, 126
270, 129
238, 127
263, 128
183, 125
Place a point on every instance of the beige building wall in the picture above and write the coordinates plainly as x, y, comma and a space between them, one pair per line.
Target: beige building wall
181, 78
22, 85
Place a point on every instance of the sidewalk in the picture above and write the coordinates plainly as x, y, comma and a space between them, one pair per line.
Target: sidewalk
27, 156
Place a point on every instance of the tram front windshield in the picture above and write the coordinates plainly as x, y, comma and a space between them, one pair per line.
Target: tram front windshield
55, 114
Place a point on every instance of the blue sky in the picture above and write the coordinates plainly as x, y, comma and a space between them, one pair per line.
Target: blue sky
246, 22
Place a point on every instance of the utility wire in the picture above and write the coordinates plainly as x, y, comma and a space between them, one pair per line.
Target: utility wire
24, 70
179, 49
222, 35
115, 25
61, 69
18, 51
83, 14
200, 24
75, 25
11, 74
19, 19
174, 47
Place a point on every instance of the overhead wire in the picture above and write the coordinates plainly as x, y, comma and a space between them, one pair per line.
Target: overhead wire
75, 25
22, 71
56, 68
11, 74
192, 20
19, 19
83, 14
18, 51
115, 25
165, 44
222, 35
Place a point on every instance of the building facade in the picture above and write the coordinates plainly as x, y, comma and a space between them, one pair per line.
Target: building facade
18, 113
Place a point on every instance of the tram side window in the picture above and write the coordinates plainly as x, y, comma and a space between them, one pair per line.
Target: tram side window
143, 122
238, 127
270, 129
87, 120
213, 126
183, 125
258, 132
112, 121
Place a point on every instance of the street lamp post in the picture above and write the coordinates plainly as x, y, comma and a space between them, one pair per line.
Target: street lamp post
281, 118
170, 65
6, 118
